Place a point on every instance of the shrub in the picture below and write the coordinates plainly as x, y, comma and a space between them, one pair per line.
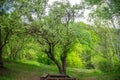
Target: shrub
42, 58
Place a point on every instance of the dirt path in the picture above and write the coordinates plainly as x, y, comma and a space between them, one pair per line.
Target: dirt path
38, 78
34, 78
89, 78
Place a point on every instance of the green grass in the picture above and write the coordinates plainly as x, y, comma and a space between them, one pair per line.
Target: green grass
26, 69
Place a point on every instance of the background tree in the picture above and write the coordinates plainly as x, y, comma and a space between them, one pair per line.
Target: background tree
2, 41
7, 24
107, 15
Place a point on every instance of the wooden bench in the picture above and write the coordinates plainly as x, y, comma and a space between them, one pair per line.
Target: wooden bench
56, 77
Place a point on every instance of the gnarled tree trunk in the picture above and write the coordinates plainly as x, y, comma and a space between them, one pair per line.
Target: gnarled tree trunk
61, 66
63, 60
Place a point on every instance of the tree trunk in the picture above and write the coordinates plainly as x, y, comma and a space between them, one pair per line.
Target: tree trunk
1, 61
51, 55
64, 66
63, 60
59, 66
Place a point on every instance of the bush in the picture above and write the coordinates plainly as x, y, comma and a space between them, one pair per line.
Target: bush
104, 66
74, 60
116, 68
101, 63
42, 58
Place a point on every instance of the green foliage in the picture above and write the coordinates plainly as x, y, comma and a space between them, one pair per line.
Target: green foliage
101, 63
43, 58
74, 58
105, 9
115, 6
116, 67
102, 12
93, 2
30, 50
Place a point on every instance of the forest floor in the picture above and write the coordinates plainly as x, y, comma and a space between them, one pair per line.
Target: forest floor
28, 70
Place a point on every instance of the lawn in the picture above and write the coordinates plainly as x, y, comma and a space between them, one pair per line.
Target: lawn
30, 70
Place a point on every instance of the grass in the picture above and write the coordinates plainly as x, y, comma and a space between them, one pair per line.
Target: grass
26, 69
